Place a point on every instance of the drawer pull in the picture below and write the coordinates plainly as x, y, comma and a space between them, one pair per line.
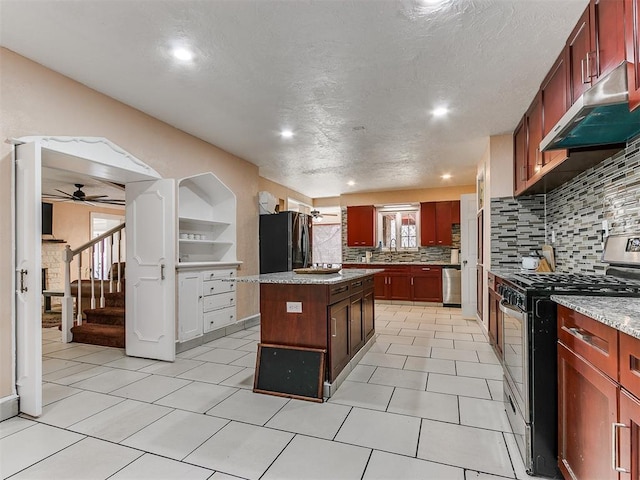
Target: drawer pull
426, 269
614, 447
357, 284
334, 329
340, 290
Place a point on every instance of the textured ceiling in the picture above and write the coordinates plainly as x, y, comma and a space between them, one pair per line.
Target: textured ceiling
322, 68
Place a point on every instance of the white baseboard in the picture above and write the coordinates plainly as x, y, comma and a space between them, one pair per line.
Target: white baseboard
9, 407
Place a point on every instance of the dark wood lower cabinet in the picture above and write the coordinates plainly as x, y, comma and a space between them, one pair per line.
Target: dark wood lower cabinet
420, 283
339, 350
368, 316
628, 457
587, 407
356, 324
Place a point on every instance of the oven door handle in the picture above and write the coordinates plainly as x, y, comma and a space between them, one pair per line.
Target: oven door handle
511, 311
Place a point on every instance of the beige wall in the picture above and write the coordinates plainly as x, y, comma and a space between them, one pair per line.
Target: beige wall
404, 196
72, 223
37, 101
282, 193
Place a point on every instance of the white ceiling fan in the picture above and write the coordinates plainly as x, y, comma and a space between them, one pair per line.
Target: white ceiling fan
80, 196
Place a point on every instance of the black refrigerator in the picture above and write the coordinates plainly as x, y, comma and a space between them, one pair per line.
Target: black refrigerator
285, 242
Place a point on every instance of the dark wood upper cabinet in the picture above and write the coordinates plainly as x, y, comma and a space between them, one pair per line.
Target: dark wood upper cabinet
520, 157
534, 137
579, 58
428, 224
443, 223
555, 103
607, 36
455, 211
632, 34
436, 219
361, 226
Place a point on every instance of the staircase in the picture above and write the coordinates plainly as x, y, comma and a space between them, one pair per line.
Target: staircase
100, 298
103, 326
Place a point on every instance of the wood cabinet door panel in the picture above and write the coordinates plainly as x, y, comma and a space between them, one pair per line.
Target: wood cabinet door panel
632, 41
368, 305
587, 406
608, 35
520, 158
629, 436
443, 223
426, 288
399, 286
579, 45
361, 226
455, 211
555, 103
356, 326
380, 285
339, 352
630, 363
493, 309
428, 224
534, 137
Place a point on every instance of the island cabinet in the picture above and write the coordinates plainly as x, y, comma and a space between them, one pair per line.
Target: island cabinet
495, 315
598, 410
361, 226
337, 317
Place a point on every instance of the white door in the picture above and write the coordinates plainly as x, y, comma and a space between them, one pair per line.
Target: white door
150, 285
468, 253
28, 280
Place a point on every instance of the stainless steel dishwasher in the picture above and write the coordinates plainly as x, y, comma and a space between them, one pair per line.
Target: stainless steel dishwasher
451, 286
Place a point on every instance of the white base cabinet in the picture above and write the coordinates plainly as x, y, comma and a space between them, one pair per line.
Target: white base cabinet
206, 301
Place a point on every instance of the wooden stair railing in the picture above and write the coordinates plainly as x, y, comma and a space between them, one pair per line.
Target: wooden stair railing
112, 239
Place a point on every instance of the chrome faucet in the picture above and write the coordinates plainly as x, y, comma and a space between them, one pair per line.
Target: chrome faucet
392, 243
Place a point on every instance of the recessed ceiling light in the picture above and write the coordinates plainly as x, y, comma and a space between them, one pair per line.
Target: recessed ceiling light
440, 111
286, 134
182, 54
446, 176
351, 183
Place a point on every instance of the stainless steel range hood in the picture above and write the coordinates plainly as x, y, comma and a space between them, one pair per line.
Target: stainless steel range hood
599, 117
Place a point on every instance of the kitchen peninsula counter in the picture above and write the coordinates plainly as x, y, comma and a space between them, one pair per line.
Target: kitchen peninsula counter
333, 312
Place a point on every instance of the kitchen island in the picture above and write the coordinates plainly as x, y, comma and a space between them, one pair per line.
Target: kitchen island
333, 312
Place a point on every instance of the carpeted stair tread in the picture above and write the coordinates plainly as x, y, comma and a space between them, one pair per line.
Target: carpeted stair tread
98, 334
115, 299
105, 316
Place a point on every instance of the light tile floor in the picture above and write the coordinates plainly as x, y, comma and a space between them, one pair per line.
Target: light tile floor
424, 403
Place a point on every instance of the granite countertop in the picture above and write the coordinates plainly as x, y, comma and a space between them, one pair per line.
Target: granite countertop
309, 279
621, 313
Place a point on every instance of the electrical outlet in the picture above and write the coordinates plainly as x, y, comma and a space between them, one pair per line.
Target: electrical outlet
294, 307
553, 236
605, 228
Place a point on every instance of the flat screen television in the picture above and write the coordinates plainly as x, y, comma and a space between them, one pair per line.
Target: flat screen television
47, 218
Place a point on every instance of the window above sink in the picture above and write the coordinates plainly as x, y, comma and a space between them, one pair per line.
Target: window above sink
398, 227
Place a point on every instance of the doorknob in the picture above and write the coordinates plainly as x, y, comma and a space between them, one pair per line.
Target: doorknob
162, 271
464, 262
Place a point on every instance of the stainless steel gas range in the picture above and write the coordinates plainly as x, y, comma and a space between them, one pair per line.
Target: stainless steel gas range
530, 338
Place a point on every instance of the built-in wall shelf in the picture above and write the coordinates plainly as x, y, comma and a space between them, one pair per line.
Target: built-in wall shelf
207, 217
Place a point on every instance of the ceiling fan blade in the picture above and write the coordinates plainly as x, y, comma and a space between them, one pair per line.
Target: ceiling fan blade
54, 196
94, 197
111, 201
67, 195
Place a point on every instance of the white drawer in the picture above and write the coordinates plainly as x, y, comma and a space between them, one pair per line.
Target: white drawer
218, 274
219, 318
214, 287
216, 302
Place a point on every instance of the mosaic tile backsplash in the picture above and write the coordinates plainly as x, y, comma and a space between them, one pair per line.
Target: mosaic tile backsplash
574, 212
424, 254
